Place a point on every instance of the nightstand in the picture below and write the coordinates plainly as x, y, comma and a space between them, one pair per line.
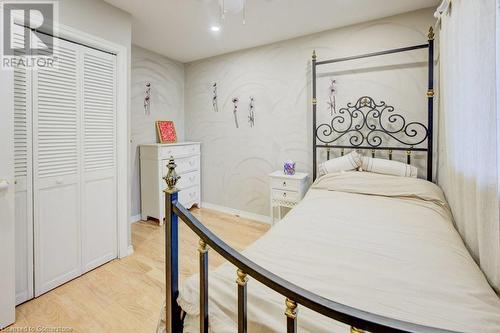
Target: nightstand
286, 191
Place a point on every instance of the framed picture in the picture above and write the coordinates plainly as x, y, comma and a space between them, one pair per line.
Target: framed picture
165, 130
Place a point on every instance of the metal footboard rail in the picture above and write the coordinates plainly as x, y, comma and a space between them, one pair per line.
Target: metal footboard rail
294, 295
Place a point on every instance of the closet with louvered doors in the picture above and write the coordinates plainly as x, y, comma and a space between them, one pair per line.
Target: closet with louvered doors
74, 165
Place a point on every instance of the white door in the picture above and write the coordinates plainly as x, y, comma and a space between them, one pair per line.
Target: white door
7, 267
99, 211
23, 178
57, 170
66, 213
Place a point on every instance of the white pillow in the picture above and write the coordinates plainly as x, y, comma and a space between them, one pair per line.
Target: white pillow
351, 161
388, 167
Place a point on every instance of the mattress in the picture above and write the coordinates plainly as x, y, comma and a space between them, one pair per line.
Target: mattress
382, 244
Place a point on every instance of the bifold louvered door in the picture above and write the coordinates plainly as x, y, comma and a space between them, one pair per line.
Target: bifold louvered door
74, 169
99, 169
57, 170
23, 177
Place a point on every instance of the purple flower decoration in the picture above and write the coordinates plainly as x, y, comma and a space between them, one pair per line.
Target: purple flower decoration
289, 167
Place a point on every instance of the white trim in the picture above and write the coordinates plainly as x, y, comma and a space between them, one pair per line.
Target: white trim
135, 218
122, 123
7, 201
497, 102
247, 215
130, 250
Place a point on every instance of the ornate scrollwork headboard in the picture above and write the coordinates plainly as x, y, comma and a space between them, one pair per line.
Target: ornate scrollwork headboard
367, 125
371, 125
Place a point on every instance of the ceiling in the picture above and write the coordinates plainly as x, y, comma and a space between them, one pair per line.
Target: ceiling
180, 29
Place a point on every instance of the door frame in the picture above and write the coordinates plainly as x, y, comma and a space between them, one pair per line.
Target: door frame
7, 233
122, 124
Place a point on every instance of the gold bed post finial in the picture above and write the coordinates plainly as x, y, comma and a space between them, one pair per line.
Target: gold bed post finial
314, 55
202, 246
291, 309
242, 277
171, 178
431, 33
356, 330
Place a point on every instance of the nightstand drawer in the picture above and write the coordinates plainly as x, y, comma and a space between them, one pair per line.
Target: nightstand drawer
285, 184
285, 195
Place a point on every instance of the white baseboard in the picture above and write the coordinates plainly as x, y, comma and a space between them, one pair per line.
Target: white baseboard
248, 215
134, 218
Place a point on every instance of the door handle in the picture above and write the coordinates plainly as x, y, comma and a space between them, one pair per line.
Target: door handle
4, 185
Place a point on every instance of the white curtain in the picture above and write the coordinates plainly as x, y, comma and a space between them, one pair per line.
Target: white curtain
468, 147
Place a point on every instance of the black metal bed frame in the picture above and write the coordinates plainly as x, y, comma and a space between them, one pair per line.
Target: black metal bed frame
367, 124
293, 295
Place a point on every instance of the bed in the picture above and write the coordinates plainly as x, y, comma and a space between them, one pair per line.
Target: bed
399, 256
361, 252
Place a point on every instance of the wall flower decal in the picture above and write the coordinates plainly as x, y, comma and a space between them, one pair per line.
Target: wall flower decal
235, 111
331, 97
214, 98
147, 99
251, 112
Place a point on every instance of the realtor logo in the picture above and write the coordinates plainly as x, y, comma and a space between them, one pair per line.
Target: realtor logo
28, 34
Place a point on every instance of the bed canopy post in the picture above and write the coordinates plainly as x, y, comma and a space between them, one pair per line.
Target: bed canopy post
376, 143
172, 310
430, 104
314, 111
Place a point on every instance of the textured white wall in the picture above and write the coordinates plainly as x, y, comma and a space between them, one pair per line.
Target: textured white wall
97, 18
235, 162
167, 103
468, 146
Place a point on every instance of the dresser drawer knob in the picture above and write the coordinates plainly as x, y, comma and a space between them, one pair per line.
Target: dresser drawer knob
284, 183
284, 194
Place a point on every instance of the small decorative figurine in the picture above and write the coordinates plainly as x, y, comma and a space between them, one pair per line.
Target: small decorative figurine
331, 103
235, 111
147, 99
289, 167
251, 113
214, 98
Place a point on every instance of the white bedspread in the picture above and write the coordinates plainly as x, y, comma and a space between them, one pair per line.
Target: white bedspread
382, 244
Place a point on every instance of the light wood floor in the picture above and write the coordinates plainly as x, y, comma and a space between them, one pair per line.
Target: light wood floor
125, 295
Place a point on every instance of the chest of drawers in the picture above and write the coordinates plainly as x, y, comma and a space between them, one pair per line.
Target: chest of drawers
154, 160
